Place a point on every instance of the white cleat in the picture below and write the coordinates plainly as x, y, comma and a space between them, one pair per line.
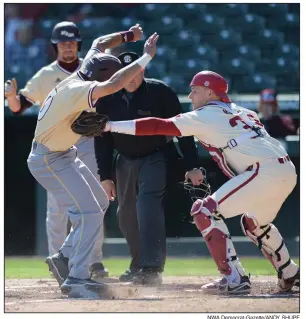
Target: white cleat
223, 285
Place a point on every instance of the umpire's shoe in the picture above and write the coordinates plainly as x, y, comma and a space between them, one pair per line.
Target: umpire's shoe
128, 275
148, 277
97, 270
84, 288
285, 285
224, 285
58, 265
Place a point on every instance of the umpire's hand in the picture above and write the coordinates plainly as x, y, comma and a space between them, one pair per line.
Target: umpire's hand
109, 188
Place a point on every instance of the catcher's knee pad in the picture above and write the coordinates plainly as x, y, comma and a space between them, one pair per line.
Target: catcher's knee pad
216, 236
269, 241
202, 211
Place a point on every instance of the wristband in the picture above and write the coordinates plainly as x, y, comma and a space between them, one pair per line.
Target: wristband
127, 36
144, 60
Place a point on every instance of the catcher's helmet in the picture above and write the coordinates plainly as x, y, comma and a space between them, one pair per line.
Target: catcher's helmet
198, 192
100, 67
213, 81
66, 32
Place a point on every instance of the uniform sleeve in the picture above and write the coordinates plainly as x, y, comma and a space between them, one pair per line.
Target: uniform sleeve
79, 95
191, 123
24, 104
33, 91
185, 124
91, 53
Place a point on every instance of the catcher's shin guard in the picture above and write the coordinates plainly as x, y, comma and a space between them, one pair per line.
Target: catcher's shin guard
271, 243
217, 237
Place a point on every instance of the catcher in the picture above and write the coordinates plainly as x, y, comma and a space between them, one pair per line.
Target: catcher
261, 178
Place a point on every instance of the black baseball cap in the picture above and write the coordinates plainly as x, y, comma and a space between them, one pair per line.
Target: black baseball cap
127, 58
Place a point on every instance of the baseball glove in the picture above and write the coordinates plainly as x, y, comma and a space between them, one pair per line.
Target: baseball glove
89, 124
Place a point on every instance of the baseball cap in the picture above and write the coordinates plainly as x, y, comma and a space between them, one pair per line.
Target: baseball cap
127, 58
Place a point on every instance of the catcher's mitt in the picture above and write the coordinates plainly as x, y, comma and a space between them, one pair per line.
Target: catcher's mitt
89, 124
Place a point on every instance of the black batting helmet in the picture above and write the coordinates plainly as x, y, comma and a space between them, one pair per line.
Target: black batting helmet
100, 67
66, 31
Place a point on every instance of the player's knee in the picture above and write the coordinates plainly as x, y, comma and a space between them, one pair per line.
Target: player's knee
253, 229
96, 217
207, 205
248, 223
253, 225
202, 212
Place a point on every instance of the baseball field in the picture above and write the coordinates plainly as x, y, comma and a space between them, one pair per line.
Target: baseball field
30, 288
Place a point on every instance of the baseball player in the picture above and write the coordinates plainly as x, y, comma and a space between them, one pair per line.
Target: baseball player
261, 178
53, 160
67, 41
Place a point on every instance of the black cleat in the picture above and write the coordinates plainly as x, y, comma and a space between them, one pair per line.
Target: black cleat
84, 288
128, 276
58, 266
148, 277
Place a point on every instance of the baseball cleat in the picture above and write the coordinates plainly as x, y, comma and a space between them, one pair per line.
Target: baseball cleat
285, 285
98, 270
223, 285
128, 275
84, 288
147, 277
58, 266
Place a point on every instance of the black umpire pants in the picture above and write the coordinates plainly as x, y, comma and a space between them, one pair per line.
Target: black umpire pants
141, 185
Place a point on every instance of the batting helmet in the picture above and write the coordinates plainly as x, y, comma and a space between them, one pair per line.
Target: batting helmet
100, 67
66, 32
214, 81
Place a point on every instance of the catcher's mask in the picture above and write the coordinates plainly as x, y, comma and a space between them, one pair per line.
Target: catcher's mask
198, 192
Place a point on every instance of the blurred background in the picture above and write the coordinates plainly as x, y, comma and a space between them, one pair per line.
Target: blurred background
254, 46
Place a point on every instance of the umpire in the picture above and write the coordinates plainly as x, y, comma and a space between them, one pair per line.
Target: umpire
142, 171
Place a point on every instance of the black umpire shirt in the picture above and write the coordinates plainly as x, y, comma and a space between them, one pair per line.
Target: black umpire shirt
152, 99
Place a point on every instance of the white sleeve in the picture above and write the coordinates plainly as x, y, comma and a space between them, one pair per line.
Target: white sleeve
91, 53
191, 123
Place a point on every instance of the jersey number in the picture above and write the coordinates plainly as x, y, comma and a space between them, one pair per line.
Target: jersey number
236, 119
45, 107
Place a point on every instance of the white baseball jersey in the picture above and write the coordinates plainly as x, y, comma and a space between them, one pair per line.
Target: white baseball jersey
217, 125
246, 153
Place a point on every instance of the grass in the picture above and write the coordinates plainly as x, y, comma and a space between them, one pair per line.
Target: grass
27, 267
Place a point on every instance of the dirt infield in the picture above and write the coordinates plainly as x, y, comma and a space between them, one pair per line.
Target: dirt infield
177, 294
